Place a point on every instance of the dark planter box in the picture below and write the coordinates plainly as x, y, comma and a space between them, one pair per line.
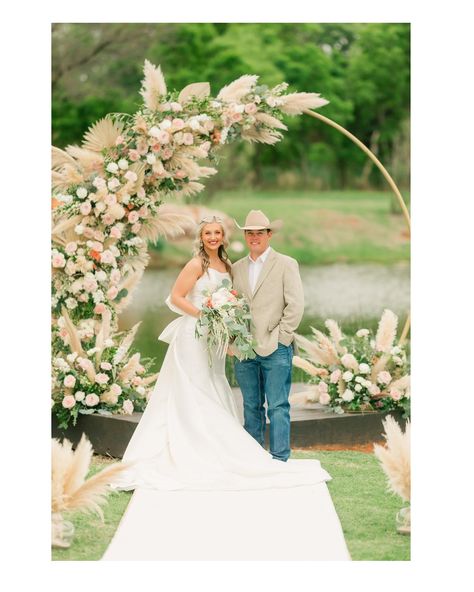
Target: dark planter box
109, 435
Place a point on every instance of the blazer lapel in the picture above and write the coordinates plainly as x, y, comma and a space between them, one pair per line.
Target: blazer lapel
244, 271
270, 261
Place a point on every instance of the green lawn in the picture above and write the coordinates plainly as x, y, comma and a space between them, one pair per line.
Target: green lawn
366, 510
320, 227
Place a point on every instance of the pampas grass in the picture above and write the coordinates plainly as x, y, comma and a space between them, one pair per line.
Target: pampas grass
387, 331
169, 225
234, 91
395, 457
314, 352
327, 346
69, 488
309, 368
296, 103
153, 85
264, 136
271, 121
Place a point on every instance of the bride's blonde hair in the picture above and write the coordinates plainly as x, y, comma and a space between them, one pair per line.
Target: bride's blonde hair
200, 251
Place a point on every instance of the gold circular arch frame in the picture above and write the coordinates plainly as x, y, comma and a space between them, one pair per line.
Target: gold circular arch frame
387, 176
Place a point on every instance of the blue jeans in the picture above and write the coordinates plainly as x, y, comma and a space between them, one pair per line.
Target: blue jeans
268, 376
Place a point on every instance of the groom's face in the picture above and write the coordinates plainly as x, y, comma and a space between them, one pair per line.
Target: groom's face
257, 241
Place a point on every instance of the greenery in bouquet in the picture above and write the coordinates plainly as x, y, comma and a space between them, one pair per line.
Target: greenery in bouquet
225, 319
361, 372
108, 199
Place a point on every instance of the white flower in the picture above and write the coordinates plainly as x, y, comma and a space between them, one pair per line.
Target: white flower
359, 379
164, 125
108, 342
154, 131
348, 395
123, 164
100, 275
358, 388
396, 350
140, 390
112, 184
398, 361
71, 303
362, 332
79, 229
347, 376
92, 399
98, 296
151, 158
364, 368
82, 192
79, 395
112, 167
349, 361
128, 406
324, 398
101, 378
131, 176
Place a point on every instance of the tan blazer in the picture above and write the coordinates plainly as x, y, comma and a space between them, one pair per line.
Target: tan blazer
277, 303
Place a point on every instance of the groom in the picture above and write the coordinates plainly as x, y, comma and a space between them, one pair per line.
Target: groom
271, 282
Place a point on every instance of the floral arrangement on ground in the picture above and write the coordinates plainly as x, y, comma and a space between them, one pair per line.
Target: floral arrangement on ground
357, 373
107, 200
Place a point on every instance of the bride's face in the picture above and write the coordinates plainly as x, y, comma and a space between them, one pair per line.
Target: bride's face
212, 236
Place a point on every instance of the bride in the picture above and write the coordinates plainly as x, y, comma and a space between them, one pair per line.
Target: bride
190, 435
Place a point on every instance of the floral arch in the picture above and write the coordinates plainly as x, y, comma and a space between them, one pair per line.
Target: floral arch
107, 198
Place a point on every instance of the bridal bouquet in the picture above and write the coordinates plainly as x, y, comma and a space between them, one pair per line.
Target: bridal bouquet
357, 373
225, 320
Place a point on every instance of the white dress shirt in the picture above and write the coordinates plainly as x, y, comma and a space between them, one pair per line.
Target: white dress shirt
255, 267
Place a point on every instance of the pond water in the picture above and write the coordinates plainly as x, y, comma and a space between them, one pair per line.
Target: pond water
353, 295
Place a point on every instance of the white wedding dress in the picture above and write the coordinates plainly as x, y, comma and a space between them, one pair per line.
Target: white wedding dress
190, 449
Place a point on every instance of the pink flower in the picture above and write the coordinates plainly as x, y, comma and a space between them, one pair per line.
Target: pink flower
335, 376
143, 212
323, 387
119, 140
83, 298
250, 108
85, 208
384, 377
92, 399
90, 284
97, 246
108, 219
69, 381
133, 155
137, 380
374, 389
110, 199
133, 217
112, 292
58, 260
115, 276
166, 154
100, 308
178, 123
106, 366
113, 184
163, 137
324, 398
142, 147
101, 378
68, 402
115, 232
236, 117
116, 389
71, 248
395, 394
131, 176
88, 232
107, 257
188, 139
180, 174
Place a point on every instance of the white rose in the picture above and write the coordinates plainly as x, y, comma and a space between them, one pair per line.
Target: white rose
71, 303
81, 192
364, 368
112, 167
128, 406
348, 395
164, 125
79, 395
347, 376
358, 388
123, 164
151, 159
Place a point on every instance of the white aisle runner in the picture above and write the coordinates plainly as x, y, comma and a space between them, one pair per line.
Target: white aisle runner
294, 523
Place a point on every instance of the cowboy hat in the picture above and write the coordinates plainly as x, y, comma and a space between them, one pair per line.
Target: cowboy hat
256, 220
